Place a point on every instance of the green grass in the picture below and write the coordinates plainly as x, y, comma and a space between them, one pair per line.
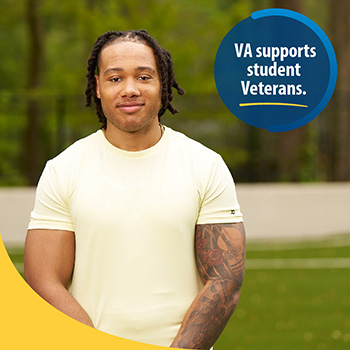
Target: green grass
292, 309
287, 308
17, 256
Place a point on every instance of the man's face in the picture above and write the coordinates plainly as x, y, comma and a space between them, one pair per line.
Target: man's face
129, 86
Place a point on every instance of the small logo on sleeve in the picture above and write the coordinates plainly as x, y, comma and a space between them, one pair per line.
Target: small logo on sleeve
233, 212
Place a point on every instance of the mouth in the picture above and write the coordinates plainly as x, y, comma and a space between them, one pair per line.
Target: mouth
130, 107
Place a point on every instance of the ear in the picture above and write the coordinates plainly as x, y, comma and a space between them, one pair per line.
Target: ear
97, 86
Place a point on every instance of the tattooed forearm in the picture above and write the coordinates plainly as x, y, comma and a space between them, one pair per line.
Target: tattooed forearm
220, 256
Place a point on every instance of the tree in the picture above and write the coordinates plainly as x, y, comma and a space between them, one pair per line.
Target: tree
340, 25
31, 149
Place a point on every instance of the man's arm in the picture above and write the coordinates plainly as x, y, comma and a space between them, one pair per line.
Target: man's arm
48, 266
220, 256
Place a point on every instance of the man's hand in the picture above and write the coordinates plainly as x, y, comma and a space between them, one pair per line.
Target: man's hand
220, 256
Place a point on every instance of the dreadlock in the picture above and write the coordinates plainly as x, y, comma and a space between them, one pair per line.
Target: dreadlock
163, 61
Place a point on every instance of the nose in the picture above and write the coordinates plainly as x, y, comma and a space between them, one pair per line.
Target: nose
130, 88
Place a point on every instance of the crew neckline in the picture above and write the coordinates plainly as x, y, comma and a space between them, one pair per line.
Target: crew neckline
133, 154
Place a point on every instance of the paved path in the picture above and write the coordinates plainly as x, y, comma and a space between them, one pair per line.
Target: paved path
295, 210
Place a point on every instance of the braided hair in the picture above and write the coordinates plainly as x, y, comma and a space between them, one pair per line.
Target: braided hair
163, 61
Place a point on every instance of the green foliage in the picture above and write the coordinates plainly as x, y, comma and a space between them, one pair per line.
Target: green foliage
190, 30
13, 46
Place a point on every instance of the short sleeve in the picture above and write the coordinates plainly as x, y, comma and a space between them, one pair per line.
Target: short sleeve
219, 202
51, 208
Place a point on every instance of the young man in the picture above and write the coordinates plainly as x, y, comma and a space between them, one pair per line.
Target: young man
136, 229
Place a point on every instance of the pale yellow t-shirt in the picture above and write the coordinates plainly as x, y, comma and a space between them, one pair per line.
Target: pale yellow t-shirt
134, 216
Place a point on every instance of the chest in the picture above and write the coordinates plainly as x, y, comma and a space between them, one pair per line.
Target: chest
135, 196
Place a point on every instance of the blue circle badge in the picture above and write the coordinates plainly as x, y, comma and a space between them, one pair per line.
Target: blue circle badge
276, 70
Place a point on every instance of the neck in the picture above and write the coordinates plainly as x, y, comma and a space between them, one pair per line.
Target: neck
134, 141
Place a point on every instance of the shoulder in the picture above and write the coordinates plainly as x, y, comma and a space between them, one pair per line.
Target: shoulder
73, 154
61, 172
206, 166
192, 148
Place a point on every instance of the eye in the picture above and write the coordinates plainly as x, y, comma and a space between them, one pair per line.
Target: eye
115, 79
144, 77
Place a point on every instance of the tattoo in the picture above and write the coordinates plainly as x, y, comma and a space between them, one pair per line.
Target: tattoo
220, 256
220, 251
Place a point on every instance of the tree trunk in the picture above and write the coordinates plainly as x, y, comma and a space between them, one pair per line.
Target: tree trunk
340, 37
31, 160
294, 5
290, 143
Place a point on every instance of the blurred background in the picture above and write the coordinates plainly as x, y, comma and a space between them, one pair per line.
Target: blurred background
294, 187
45, 45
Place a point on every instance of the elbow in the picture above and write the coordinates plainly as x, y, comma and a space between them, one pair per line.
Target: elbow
233, 295
30, 277
35, 281
232, 290
227, 292
47, 288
